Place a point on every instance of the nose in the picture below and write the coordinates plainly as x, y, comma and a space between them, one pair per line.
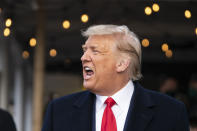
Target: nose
85, 57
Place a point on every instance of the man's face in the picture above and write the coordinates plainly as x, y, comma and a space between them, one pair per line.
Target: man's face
99, 63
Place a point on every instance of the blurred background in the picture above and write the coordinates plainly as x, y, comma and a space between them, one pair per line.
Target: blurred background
40, 50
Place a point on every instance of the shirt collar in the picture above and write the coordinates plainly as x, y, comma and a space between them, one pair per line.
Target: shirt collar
122, 97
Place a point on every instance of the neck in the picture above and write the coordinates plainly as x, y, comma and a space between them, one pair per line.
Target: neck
114, 86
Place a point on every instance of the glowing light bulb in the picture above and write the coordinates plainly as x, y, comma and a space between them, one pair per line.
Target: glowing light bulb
155, 7
188, 14
52, 52
6, 32
32, 42
84, 18
66, 24
169, 53
164, 47
148, 10
145, 43
25, 54
8, 22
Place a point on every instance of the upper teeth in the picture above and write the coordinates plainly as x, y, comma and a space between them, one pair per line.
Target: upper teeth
87, 68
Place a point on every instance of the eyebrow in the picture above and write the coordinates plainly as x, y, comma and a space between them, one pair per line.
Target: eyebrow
83, 46
92, 47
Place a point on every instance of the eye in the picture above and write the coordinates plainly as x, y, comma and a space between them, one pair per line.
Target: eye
95, 51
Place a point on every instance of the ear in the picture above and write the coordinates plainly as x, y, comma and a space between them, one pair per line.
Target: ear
122, 65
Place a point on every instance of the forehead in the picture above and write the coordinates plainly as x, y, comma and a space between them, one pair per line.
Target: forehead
100, 41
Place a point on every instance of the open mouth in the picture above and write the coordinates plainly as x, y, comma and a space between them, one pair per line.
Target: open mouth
88, 72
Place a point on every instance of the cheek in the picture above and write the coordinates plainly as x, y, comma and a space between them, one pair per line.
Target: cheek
104, 63
107, 67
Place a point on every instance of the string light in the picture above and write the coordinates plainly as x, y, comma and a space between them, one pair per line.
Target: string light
169, 53
164, 47
8, 22
84, 18
196, 30
32, 42
155, 7
148, 10
52, 52
145, 43
6, 32
188, 14
66, 24
25, 54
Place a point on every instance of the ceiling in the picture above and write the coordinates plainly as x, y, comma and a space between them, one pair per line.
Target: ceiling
168, 25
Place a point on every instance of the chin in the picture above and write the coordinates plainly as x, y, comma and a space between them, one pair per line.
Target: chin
88, 86
91, 87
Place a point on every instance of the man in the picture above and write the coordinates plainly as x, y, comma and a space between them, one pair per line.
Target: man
113, 100
6, 121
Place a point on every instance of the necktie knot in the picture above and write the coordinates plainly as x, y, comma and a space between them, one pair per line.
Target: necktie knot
110, 102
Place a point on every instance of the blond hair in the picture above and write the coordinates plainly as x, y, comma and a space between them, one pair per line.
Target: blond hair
127, 43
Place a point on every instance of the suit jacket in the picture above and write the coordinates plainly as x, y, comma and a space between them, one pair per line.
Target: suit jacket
6, 121
148, 111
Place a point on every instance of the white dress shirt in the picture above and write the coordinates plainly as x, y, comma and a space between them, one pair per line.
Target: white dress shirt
120, 109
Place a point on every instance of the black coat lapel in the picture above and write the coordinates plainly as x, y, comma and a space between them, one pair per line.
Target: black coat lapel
82, 116
141, 110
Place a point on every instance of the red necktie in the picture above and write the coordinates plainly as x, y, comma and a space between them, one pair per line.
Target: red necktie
108, 121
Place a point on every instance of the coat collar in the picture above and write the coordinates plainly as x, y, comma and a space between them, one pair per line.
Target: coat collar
83, 113
141, 110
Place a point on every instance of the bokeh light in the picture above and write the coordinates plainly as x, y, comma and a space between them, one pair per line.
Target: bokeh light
145, 43
155, 7
148, 10
66, 24
25, 54
32, 42
188, 14
6, 32
53, 52
84, 18
169, 53
164, 47
8, 22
